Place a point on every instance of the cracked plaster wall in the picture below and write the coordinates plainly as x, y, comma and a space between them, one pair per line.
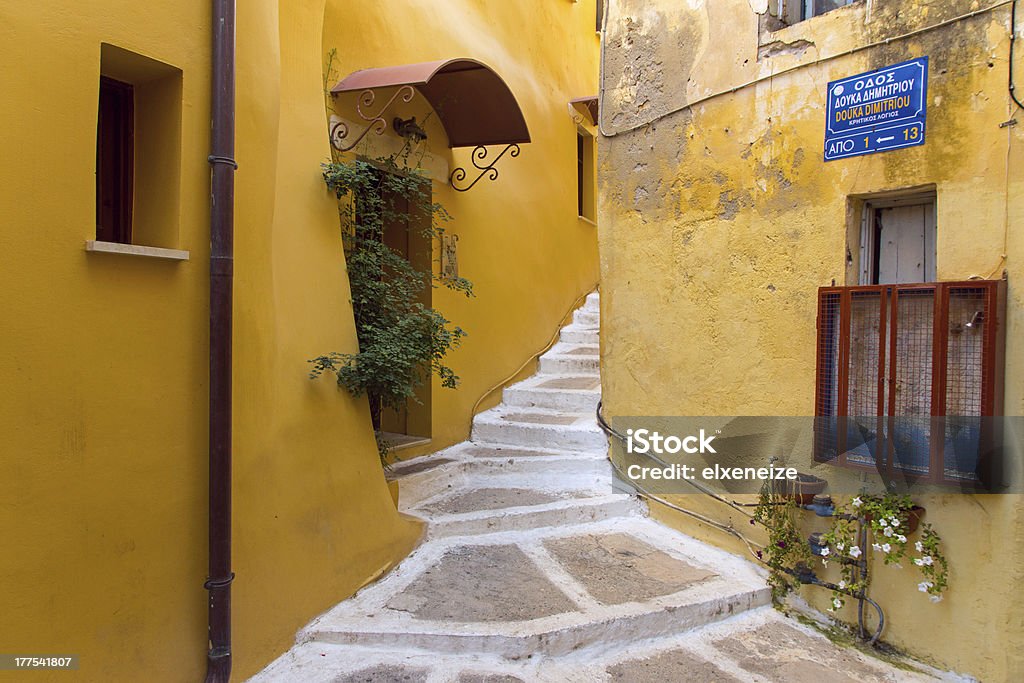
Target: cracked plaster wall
719, 221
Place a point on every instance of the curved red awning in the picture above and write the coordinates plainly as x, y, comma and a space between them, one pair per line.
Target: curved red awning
471, 100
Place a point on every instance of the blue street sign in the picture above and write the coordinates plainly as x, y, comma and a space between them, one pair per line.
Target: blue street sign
877, 111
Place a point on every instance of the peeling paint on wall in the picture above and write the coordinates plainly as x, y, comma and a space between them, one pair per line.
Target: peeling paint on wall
719, 220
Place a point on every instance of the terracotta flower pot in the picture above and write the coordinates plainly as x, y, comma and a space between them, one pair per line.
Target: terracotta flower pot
803, 489
914, 516
912, 520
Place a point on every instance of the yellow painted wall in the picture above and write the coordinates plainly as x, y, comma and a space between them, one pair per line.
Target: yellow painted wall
718, 223
520, 241
103, 360
314, 518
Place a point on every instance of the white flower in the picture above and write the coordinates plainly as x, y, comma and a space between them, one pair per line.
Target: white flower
927, 560
840, 545
901, 538
876, 546
836, 603
924, 586
857, 502
855, 552
886, 547
883, 522
895, 522
920, 548
825, 551
935, 598
918, 562
888, 531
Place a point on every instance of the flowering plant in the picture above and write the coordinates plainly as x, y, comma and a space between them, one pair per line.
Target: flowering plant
932, 564
889, 517
841, 545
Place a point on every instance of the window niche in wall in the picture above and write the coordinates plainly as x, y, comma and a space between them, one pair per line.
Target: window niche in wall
138, 150
891, 238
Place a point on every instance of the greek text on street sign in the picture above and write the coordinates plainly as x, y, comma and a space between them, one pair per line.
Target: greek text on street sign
877, 111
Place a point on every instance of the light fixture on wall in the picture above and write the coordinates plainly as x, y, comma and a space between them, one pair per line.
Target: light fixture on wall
409, 129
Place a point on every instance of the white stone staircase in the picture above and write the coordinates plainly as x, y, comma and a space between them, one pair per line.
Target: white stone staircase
534, 567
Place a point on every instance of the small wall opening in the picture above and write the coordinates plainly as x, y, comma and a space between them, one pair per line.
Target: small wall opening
138, 149
891, 238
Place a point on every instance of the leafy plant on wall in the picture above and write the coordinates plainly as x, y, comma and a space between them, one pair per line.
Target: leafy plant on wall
891, 518
787, 553
402, 342
887, 520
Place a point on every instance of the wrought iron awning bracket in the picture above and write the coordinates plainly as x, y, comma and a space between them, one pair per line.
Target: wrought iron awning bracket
478, 157
575, 114
375, 122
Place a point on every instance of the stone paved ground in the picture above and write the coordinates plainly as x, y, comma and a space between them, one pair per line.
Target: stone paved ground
536, 569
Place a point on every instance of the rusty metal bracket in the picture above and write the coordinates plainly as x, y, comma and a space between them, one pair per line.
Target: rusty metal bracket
575, 115
478, 157
375, 122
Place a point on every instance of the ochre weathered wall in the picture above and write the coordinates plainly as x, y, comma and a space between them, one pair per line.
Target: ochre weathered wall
103, 359
719, 221
314, 518
520, 241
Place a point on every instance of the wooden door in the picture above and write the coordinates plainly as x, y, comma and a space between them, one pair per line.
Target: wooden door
906, 244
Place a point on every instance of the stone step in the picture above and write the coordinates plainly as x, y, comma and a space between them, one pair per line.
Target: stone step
587, 318
533, 428
553, 637
546, 594
569, 364
573, 334
566, 358
541, 479
574, 394
568, 467
470, 459
563, 511
593, 302
756, 645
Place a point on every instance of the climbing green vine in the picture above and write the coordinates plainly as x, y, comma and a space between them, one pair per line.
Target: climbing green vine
787, 552
402, 342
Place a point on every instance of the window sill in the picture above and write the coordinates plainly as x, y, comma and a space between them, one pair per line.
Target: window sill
587, 220
96, 246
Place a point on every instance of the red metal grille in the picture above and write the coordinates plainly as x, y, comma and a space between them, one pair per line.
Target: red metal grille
828, 353
893, 361
965, 351
912, 345
867, 337
826, 398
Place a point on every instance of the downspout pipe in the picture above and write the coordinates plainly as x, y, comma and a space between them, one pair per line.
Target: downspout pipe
222, 201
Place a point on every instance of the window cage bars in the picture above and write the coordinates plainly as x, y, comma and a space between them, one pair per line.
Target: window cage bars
904, 375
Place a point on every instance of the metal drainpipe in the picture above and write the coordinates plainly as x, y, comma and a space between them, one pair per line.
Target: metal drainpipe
222, 200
